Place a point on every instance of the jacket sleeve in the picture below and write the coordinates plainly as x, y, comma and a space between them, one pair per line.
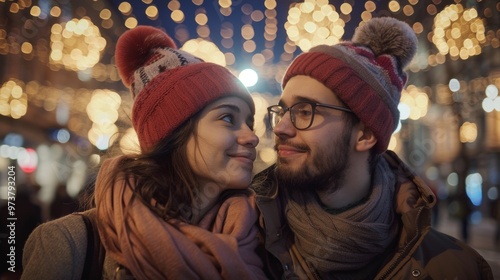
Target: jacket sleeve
56, 250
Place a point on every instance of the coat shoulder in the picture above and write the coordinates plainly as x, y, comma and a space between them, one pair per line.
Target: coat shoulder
445, 257
56, 249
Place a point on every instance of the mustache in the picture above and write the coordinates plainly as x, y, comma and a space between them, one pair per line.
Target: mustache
297, 146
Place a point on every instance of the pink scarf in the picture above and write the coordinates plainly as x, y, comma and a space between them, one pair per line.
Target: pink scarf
222, 246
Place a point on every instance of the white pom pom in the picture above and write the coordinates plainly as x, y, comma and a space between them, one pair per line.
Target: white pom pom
390, 36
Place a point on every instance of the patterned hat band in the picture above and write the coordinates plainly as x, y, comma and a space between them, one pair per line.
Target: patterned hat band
162, 59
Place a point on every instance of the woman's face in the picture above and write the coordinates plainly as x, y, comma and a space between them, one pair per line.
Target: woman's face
221, 150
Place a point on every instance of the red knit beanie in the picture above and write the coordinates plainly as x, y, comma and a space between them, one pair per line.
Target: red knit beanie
168, 85
365, 73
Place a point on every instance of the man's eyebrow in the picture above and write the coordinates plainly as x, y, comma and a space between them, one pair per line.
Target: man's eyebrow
298, 99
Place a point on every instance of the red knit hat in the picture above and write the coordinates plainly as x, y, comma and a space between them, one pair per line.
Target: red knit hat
168, 85
365, 73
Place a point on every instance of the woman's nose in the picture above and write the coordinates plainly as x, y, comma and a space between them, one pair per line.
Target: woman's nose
248, 138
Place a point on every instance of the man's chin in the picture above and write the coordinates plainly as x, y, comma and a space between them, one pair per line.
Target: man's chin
292, 176
302, 177
286, 163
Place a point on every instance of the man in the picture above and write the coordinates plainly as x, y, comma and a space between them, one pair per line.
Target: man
337, 205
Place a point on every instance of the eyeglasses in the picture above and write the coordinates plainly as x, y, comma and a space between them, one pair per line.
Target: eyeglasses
301, 114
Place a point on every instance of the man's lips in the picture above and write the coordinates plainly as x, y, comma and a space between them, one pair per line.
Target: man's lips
287, 150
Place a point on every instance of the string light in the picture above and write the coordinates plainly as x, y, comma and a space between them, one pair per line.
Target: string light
458, 32
314, 22
76, 44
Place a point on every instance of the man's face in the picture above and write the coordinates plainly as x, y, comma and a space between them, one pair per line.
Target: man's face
315, 158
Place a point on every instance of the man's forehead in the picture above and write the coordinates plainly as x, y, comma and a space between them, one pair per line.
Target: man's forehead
291, 97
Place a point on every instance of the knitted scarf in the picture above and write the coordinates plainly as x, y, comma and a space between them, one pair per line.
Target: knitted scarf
221, 246
348, 240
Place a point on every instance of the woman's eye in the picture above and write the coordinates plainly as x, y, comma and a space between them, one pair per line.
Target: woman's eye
228, 119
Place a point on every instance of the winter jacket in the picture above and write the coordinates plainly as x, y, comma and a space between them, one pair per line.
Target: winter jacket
420, 253
65, 241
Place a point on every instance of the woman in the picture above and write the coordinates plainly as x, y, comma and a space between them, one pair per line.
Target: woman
181, 208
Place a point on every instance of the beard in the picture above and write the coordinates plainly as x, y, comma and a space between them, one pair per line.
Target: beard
327, 171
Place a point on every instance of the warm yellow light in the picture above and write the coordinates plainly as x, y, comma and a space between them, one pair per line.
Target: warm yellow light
393, 143
17, 109
55, 11
258, 59
151, 12
103, 106
177, 16
247, 32
225, 3
416, 102
16, 92
13, 99
394, 6
105, 14
14, 8
76, 45
408, 10
346, 8
174, 5
131, 22
468, 132
26, 48
366, 16
205, 50
35, 11
370, 6
270, 4
310, 27
201, 19
129, 143
267, 155
312, 23
418, 27
125, 8
249, 46
458, 32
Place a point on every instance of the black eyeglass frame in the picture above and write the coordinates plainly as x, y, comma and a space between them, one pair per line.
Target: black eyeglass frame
284, 109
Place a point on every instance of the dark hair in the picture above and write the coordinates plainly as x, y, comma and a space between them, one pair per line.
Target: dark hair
163, 178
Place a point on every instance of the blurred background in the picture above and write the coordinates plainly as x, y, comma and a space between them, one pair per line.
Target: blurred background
63, 107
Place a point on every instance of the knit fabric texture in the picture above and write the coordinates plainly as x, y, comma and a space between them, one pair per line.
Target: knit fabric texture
168, 85
367, 73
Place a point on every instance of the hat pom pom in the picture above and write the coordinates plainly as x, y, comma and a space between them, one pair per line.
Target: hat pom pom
388, 36
134, 46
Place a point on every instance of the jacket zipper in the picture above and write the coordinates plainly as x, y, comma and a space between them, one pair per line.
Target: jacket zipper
405, 249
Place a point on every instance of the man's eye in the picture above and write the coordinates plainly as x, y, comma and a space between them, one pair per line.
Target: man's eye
304, 113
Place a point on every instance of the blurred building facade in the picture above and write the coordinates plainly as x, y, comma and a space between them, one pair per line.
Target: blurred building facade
63, 107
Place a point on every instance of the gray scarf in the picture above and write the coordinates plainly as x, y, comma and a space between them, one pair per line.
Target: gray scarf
348, 240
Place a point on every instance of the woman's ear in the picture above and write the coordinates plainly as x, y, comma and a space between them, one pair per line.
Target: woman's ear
365, 139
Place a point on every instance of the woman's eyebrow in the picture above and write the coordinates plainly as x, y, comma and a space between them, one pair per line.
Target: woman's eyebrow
230, 106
